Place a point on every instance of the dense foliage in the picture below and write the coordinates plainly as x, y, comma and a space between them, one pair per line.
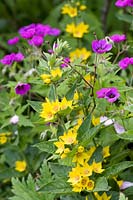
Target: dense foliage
66, 123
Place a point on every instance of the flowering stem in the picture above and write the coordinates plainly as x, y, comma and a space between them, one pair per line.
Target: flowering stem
118, 54
81, 76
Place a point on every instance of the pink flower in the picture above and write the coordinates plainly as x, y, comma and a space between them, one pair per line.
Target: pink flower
14, 119
13, 41
118, 38
22, 88
101, 46
125, 62
66, 62
19, 57
111, 94
36, 41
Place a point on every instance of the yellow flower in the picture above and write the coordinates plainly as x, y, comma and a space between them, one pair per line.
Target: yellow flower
90, 185
80, 53
47, 111
20, 166
84, 181
97, 167
4, 137
66, 151
65, 9
80, 156
56, 73
75, 175
95, 120
70, 28
60, 145
71, 11
64, 104
83, 7
80, 29
90, 152
55, 106
102, 197
86, 170
106, 152
77, 187
46, 78
77, 30
69, 137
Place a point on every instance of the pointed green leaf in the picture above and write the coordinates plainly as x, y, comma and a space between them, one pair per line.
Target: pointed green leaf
46, 146
101, 184
117, 168
36, 105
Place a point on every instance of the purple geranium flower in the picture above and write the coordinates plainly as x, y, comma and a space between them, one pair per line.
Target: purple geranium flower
19, 57
27, 32
111, 94
22, 88
124, 63
101, 93
124, 3
118, 38
42, 30
54, 32
13, 41
131, 61
66, 62
8, 59
36, 41
101, 46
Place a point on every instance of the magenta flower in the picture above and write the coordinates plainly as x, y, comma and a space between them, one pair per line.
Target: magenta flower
125, 62
101, 46
66, 62
54, 32
27, 32
124, 3
131, 61
42, 30
22, 88
118, 38
19, 57
36, 41
101, 93
13, 41
111, 94
8, 59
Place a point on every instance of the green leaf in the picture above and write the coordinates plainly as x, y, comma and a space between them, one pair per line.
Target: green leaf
23, 121
101, 184
128, 135
70, 93
45, 176
59, 170
85, 126
125, 17
58, 186
52, 93
129, 108
36, 105
117, 168
24, 190
89, 135
122, 196
46, 146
